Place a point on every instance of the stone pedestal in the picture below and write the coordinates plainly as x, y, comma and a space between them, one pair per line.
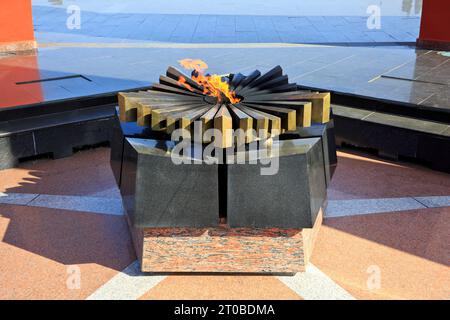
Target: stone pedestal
225, 249
223, 217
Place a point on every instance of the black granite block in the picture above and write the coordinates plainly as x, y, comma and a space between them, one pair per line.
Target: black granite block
128, 177
120, 131
395, 142
331, 146
16, 146
326, 134
54, 133
159, 193
117, 145
435, 150
291, 198
61, 140
388, 140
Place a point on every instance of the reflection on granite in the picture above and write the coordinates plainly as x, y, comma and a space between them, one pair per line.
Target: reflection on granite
290, 198
326, 133
400, 74
159, 193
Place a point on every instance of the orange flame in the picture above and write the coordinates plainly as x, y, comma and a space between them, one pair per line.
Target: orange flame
213, 85
182, 82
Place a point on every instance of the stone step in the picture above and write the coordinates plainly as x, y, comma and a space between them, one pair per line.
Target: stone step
394, 136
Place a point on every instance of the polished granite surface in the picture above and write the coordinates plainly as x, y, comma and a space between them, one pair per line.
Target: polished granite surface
250, 21
400, 74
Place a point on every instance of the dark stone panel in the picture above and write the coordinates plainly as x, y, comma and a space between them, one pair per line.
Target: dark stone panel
117, 145
128, 178
331, 147
316, 180
14, 147
389, 141
435, 151
61, 140
291, 198
55, 119
429, 149
326, 134
121, 130
159, 193
57, 133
